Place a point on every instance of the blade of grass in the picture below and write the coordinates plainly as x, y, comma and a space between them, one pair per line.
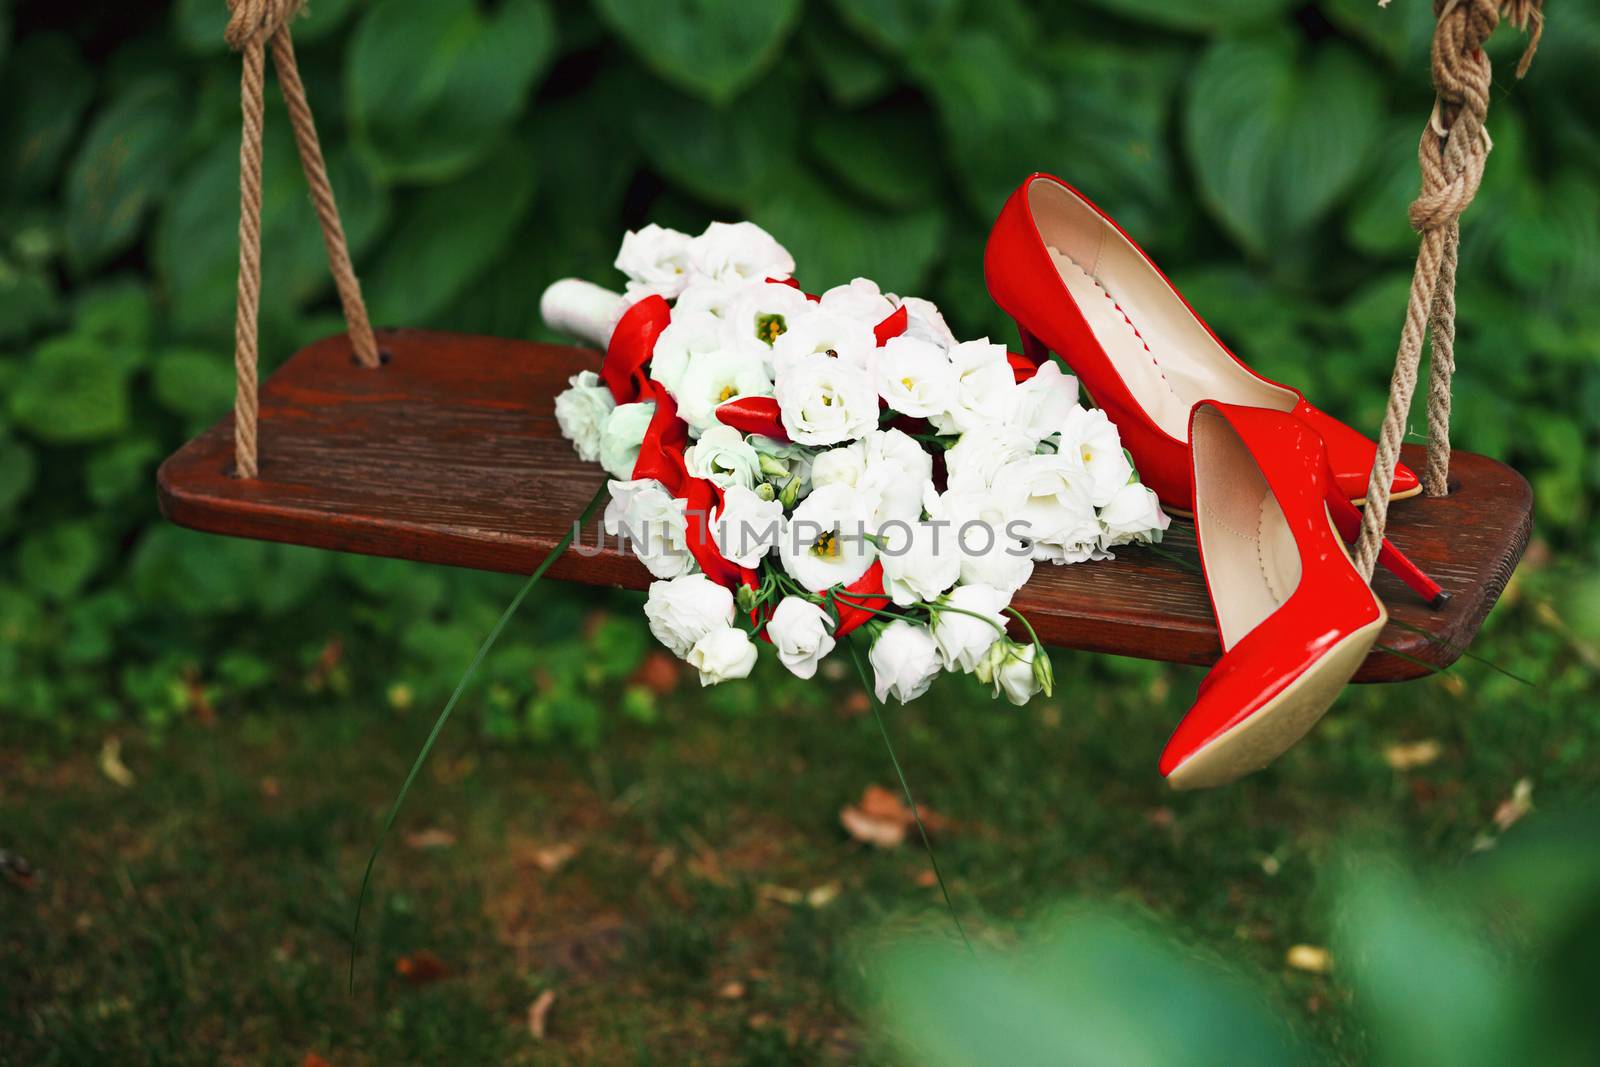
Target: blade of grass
1460, 651
905, 786
449, 706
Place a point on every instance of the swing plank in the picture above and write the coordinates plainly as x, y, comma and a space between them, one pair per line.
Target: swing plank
450, 453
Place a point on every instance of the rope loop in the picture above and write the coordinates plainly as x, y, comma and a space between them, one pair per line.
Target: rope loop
1452, 152
254, 22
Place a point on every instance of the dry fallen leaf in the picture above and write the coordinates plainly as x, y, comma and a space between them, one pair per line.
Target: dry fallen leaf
659, 673
823, 895
539, 1013
271, 788
1515, 806
731, 990
420, 968
552, 858
314, 1060
432, 837
882, 819
111, 764
1311, 958
780, 893
1412, 754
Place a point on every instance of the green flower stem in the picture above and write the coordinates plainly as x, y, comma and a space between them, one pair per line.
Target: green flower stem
444, 716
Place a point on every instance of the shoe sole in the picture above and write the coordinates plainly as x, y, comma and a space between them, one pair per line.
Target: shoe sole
1282, 721
1360, 502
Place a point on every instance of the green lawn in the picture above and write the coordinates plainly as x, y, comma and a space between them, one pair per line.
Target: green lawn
686, 888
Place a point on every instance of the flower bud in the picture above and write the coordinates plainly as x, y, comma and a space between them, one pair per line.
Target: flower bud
773, 467
790, 496
1043, 673
766, 492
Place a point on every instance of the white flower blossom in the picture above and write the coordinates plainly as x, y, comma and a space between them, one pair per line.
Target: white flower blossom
745, 528
724, 457
824, 542
656, 261
965, 633
914, 377
723, 655
581, 412
654, 523
1133, 515
739, 251
825, 401
1091, 441
685, 609
802, 633
905, 661
623, 434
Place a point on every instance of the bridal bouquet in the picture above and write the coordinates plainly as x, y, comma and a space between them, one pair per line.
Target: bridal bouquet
791, 467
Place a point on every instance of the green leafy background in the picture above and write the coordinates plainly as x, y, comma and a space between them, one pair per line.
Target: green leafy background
1263, 150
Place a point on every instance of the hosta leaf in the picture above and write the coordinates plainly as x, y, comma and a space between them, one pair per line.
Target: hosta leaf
709, 48
432, 83
46, 86
1276, 138
17, 468
881, 154
725, 154
199, 23
1207, 15
195, 383
28, 299
57, 560
197, 236
448, 234
851, 72
74, 389
898, 25
120, 170
121, 469
834, 240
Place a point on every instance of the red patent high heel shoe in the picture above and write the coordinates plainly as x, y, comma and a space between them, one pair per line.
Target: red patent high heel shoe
1077, 285
1295, 616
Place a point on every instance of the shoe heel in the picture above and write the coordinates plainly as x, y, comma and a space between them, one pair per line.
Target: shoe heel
1347, 517
1036, 350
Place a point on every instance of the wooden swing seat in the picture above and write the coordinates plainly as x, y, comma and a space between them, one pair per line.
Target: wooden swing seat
450, 453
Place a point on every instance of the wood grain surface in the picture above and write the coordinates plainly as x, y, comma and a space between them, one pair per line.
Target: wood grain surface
450, 453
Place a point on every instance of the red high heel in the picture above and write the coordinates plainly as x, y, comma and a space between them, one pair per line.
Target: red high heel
1076, 284
1295, 616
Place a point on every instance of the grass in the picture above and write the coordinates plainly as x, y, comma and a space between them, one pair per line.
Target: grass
201, 914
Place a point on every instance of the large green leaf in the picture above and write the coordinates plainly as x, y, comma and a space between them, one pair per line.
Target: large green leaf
881, 153
1207, 15
1277, 137
725, 154
47, 86
58, 559
447, 235
194, 383
834, 240
17, 468
199, 23
710, 48
28, 299
73, 389
432, 83
197, 235
121, 169
850, 71
898, 26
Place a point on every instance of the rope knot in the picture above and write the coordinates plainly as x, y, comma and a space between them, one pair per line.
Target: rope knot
254, 22
1456, 144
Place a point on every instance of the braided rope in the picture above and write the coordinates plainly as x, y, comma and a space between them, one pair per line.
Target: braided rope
251, 25
1452, 152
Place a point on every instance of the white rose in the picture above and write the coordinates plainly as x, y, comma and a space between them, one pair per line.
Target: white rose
723, 456
986, 389
825, 401
685, 609
760, 314
653, 522
920, 561
1049, 495
739, 251
844, 465
581, 411
802, 633
656, 261
925, 322
815, 332
745, 528
861, 300
989, 555
723, 655
705, 297
1010, 668
905, 661
689, 334
980, 454
1134, 514
897, 477
1092, 442
915, 377
963, 638
824, 542
623, 434
711, 380
1046, 400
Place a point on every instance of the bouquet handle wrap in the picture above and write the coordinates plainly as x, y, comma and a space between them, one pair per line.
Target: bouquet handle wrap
582, 310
